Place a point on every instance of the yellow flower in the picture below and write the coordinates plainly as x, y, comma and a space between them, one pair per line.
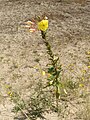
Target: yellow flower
81, 85
43, 73
89, 66
43, 25
10, 93
88, 52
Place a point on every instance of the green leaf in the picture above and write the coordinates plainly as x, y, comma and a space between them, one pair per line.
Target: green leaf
51, 70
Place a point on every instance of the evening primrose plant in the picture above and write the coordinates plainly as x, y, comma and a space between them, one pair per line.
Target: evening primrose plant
54, 69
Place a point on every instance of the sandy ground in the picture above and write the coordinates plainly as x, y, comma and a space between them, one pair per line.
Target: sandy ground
68, 34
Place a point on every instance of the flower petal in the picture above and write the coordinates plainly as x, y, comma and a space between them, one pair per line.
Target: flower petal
30, 23
32, 30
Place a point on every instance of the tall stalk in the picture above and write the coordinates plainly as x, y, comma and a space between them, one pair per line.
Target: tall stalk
56, 68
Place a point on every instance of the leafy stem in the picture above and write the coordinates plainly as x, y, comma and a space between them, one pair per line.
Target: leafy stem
54, 70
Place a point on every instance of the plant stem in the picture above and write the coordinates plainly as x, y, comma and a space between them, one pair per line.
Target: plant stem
51, 55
